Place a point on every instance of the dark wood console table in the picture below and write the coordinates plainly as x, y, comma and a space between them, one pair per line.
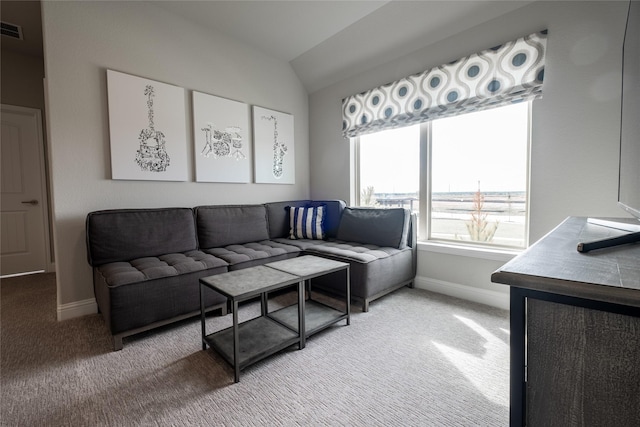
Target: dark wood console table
575, 330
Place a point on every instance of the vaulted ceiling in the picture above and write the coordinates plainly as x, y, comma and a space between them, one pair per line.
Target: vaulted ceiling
324, 41
327, 41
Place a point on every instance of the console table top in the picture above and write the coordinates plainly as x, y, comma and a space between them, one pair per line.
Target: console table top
553, 264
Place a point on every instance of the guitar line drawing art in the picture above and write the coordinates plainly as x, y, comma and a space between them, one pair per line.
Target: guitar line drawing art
279, 148
151, 155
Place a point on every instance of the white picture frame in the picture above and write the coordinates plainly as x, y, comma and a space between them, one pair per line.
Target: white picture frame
274, 146
147, 127
222, 139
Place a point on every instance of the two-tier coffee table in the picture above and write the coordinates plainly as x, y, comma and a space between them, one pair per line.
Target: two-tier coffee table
317, 316
253, 340
245, 343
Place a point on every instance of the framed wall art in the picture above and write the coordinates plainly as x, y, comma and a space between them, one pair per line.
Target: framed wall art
223, 149
273, 146
147, 129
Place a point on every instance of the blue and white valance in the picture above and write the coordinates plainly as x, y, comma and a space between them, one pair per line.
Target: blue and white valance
502, 75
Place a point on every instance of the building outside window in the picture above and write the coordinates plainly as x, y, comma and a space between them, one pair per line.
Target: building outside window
474, 185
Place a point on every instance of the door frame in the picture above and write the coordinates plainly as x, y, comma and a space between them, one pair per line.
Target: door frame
44, 178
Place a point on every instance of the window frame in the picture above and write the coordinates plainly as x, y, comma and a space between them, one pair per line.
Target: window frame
425, 194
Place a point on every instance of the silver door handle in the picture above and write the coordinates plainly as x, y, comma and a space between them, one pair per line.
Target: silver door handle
30, 202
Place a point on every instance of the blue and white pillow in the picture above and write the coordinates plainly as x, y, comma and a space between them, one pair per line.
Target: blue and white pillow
307, 222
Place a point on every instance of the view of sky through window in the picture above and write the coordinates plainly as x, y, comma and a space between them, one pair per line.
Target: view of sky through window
390, 159
480, 148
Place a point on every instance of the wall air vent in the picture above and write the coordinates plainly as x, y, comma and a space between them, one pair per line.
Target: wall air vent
11, 30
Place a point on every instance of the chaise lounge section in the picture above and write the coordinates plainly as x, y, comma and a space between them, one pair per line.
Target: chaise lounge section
147, 262
379, 244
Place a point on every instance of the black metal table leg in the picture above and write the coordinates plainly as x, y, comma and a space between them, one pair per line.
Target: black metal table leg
202, 317
301, 325
236, 343
348, 282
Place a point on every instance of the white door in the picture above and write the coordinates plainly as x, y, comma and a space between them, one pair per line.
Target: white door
22, 213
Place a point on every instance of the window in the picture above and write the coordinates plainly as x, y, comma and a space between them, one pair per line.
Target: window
475, 179
390, 168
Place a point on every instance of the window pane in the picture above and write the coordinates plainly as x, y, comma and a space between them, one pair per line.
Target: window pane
390, 168
479, 177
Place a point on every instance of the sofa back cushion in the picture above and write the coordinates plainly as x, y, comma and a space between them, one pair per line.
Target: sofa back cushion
380, 227
278, 215
220, 226
126, 234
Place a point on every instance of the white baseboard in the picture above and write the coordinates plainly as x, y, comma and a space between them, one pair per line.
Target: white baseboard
479, 295
483, 296
77, 309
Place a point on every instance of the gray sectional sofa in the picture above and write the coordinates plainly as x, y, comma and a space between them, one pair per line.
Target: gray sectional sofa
147, 262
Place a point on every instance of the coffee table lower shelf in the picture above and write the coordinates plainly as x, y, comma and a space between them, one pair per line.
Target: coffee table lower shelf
317, 316
258, 338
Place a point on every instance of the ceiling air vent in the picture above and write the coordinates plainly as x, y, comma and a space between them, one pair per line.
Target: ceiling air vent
11, 30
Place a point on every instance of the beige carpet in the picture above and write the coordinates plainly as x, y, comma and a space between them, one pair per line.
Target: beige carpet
415, 359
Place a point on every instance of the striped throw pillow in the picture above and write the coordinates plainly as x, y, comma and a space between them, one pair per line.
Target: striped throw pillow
307, 222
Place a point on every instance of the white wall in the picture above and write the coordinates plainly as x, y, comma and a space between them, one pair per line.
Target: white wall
82, 40
575, 131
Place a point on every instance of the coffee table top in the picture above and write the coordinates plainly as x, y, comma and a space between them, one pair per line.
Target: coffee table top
248, 282
308, 266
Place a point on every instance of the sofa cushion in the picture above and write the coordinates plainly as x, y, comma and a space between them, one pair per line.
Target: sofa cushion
255, 253
220, 226
301, 244
126, 234
380, 227
139, 304
352, 251
372, 270
307, 222
149, 268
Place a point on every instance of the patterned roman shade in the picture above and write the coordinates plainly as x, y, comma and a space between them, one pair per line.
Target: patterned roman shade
511, 72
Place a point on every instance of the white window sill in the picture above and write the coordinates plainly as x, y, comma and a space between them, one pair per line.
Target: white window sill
493, 254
